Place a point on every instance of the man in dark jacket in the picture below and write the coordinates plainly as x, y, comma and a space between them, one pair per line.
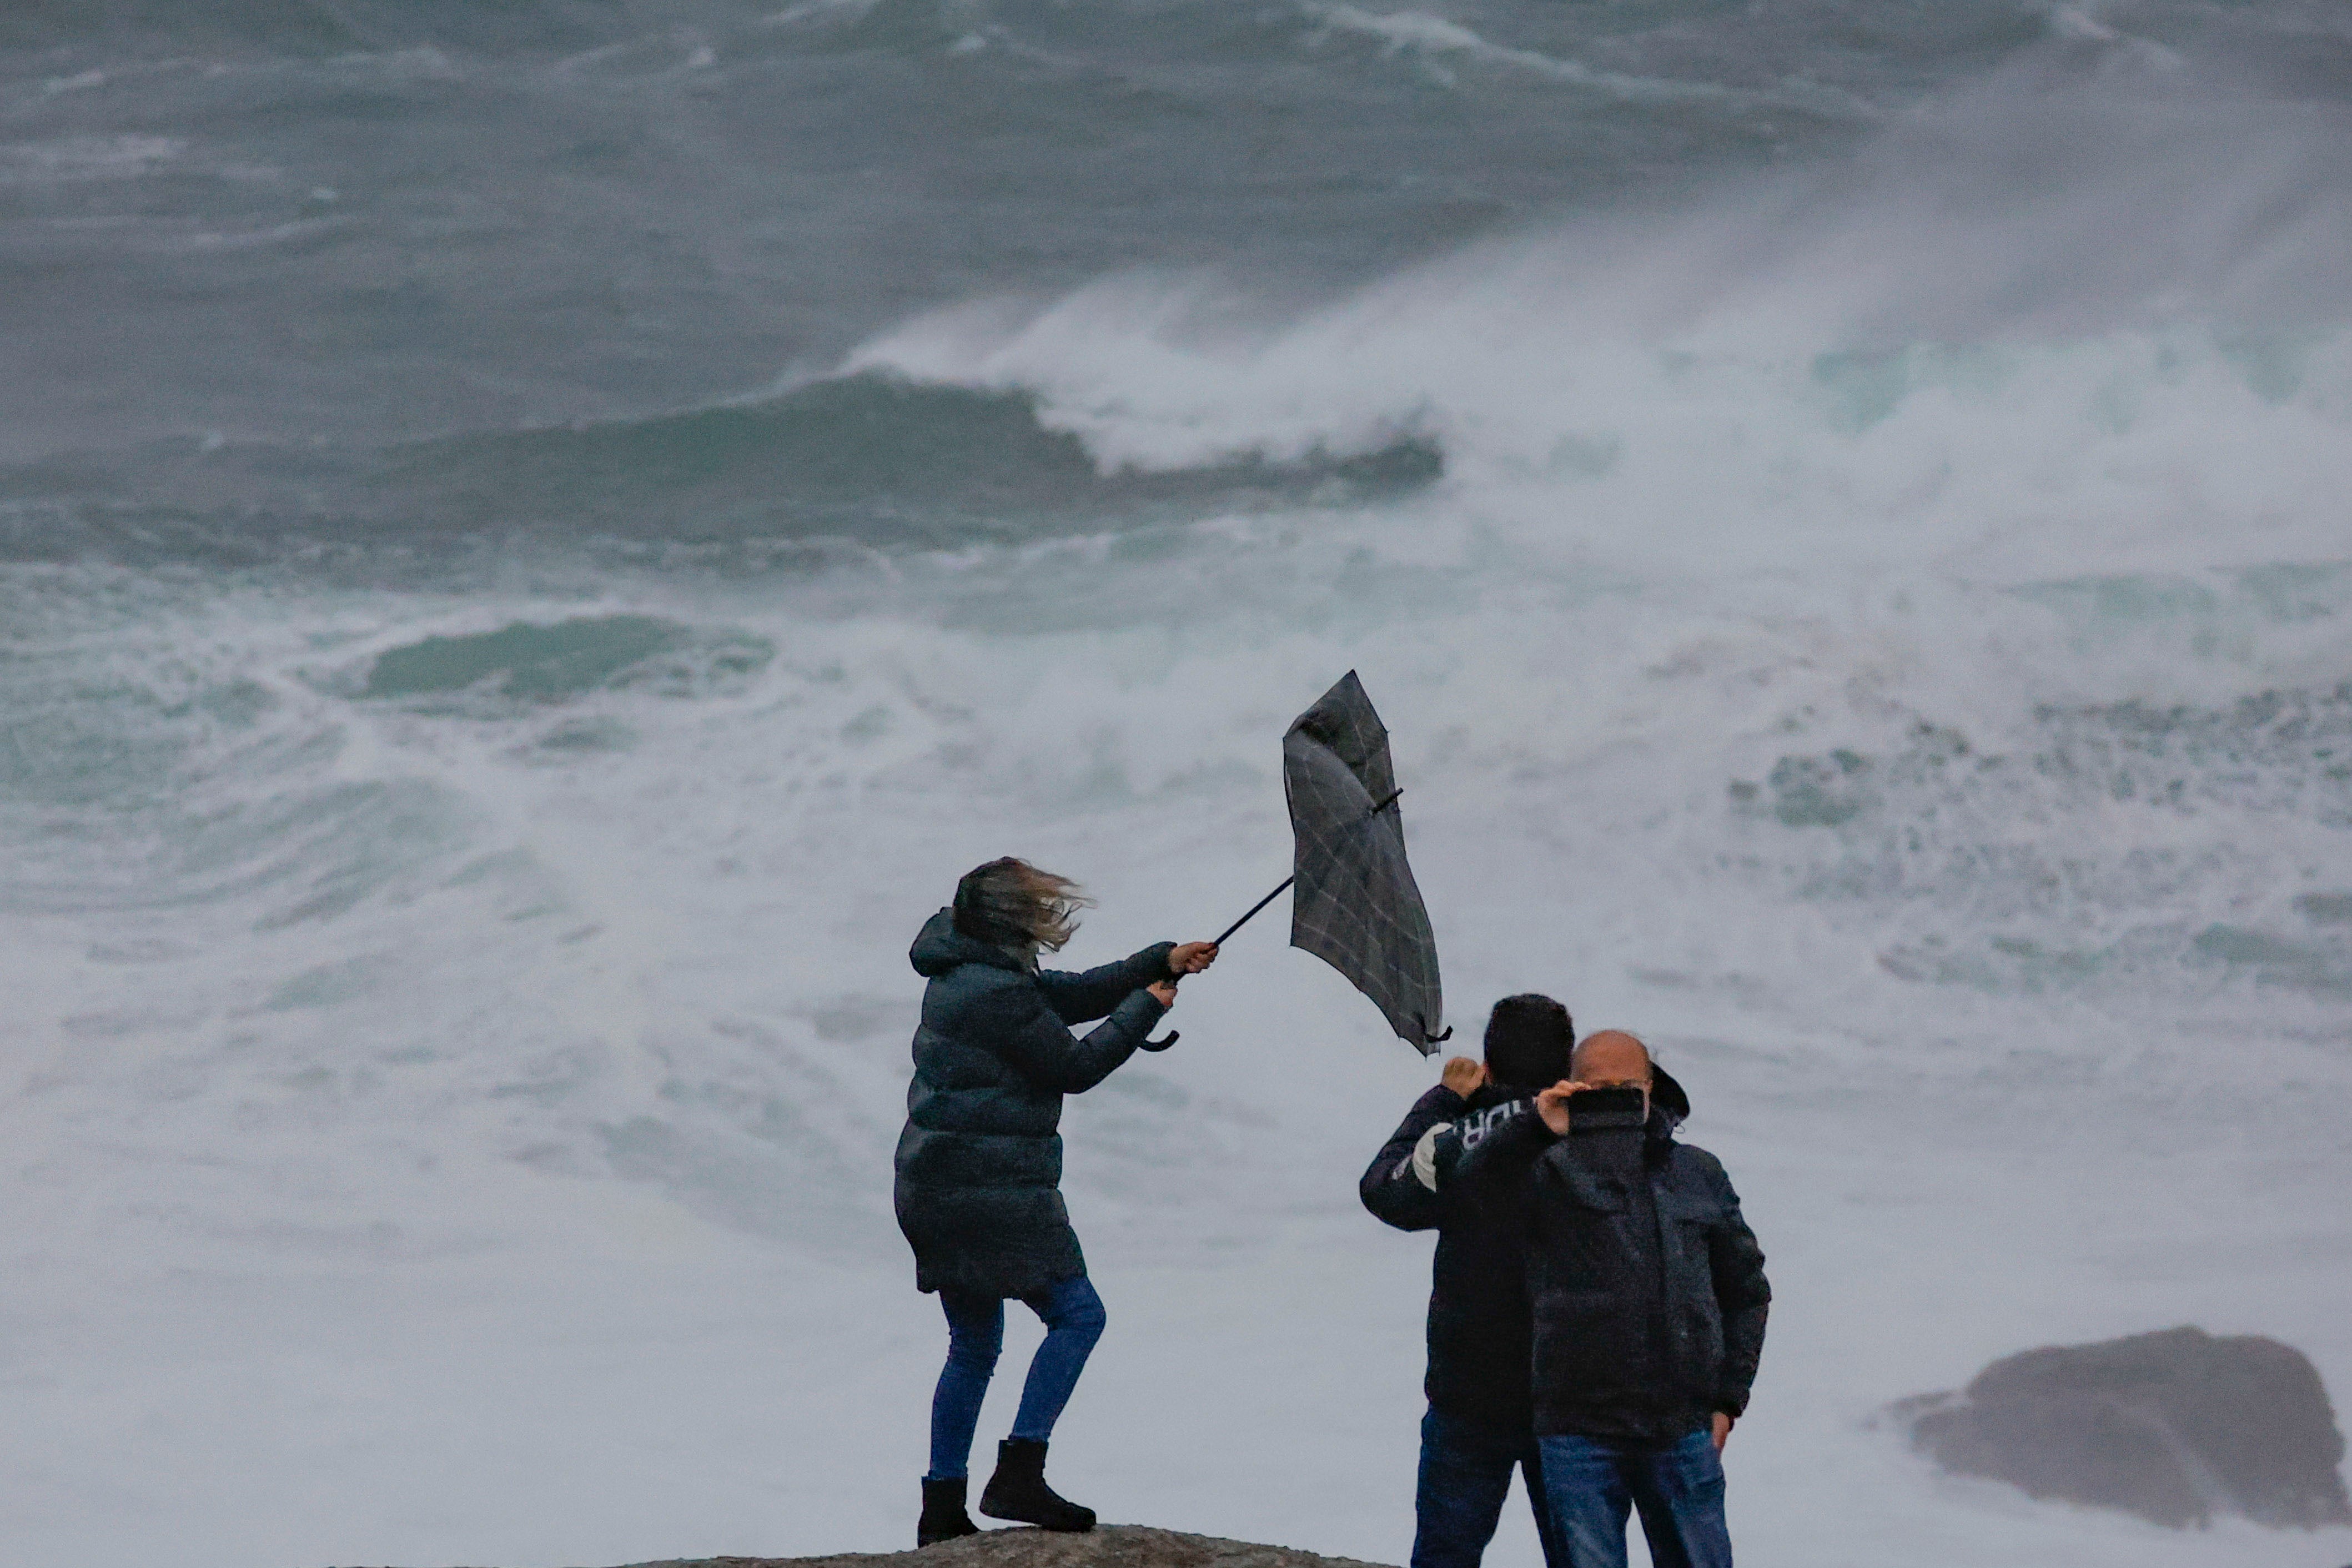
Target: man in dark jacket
1478, 1430
1649, 1299
980, 1164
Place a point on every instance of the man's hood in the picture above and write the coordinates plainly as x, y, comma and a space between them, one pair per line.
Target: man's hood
940, 948
1667, 1095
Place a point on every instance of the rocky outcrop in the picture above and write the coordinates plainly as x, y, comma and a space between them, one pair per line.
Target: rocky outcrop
1112, 1546
2175, 1426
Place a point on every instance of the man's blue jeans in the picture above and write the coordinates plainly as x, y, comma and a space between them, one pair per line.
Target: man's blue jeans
1466, 1474
1074, 1320
1678, 1488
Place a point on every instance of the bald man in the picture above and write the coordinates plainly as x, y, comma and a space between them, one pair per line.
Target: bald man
1649, 1299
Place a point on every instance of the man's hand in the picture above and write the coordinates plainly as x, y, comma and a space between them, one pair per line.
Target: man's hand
1163, 992
1552, 1104
1190, 957
1723, 1420
1464, 1077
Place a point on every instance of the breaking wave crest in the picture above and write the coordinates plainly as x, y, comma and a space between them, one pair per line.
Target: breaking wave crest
876, 460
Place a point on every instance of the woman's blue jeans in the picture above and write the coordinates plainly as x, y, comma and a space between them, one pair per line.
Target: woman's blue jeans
1074, 1318
1678, 1490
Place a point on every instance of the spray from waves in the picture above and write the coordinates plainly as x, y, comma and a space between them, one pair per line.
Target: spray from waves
2036, 312
2101, 453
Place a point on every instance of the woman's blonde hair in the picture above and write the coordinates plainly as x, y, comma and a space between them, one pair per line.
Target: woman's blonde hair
1011, 903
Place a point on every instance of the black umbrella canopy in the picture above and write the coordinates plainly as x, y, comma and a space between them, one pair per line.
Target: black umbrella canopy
1354, 904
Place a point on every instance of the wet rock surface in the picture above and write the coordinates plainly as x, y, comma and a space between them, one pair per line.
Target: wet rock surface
1120, 1545
2176, 1426
1111, 1546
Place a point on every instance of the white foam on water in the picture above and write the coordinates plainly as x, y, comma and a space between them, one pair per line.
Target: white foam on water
1422, 35
71, 158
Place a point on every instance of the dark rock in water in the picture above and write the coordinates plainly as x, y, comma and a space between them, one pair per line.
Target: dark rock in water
2175, 1426
1111, 1546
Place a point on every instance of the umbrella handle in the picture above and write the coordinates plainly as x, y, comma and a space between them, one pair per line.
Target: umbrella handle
1164, 1041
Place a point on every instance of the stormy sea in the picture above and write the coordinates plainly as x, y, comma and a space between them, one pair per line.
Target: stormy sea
538, 539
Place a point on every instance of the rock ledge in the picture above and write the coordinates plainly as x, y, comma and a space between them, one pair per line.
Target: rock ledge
1110, 1546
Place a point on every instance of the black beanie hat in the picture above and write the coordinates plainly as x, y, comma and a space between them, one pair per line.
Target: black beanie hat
1528, 1038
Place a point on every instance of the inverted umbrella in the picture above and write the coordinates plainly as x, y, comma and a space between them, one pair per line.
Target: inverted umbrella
1356, 906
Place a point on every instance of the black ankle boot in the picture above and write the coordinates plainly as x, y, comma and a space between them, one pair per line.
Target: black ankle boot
1017, 1491
943, 1515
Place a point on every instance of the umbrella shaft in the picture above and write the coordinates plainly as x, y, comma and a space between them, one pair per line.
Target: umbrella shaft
1254, 910
1379, 807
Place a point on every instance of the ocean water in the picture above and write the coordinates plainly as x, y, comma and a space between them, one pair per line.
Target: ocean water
537, 539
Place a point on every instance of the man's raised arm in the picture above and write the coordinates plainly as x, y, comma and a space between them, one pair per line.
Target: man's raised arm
1399, 1186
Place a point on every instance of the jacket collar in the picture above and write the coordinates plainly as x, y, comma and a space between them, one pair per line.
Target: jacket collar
940, 949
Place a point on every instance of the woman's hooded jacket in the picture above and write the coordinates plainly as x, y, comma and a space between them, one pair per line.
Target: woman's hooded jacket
980, 1164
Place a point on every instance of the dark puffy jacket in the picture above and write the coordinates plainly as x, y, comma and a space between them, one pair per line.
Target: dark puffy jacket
980, 1164
1647, 1288
1479, 1336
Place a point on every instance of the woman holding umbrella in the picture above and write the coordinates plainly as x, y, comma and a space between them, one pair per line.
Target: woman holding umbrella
980, 1162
